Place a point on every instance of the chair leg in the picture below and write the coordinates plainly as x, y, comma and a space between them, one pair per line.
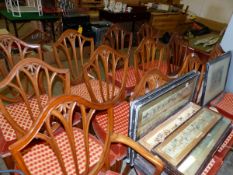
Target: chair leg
9, 161
117, 166
126, 169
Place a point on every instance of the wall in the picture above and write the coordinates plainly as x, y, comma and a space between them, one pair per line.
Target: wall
227, 45
217, 10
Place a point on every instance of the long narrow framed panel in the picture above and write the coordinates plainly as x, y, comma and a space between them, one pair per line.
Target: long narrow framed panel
195, 161
176, 147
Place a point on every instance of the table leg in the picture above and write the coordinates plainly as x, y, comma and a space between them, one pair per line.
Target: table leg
7, 24
15, 28
53, 30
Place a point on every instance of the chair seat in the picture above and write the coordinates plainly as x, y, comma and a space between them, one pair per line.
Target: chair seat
224, 104
120, 126
81, 90
40, 159
21, 115
131, 79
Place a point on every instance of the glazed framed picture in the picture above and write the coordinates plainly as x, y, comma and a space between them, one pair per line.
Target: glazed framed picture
162, 131
215, 77
181, 142
149, 111
198, 158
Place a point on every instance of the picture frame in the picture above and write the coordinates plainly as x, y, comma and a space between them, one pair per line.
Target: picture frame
198, 158
140, 125
216, 74
161, 132
181, 142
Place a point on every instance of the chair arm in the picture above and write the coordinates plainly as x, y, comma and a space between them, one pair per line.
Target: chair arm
156, 161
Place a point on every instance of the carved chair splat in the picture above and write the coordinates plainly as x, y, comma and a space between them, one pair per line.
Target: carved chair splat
118, 38
13, 50
71, 51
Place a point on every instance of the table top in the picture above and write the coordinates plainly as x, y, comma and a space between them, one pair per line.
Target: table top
27, 16
124, 16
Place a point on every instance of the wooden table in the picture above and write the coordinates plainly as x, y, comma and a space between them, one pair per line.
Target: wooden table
26, 17
202, 51
138, 13
168, 21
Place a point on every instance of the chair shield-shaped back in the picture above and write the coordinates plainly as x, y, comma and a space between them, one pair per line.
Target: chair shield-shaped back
12, 50
68, 149
118, 38
30, 85
102, 69
71, 51
150, 55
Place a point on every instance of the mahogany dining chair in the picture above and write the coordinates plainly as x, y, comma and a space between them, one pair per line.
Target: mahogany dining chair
72, 150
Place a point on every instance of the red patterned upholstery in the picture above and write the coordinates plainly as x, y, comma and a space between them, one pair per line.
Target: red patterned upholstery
121, 124
224, 104
21, 115
40, 159
131, 79
81, 90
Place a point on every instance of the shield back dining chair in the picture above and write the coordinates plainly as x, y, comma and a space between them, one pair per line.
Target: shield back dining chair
24, 92
13, 50
71, 150
119, 39
71, 51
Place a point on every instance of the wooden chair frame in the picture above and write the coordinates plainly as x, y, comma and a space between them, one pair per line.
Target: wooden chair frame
193, 62
109, 59
146, 30
69, 40
179, 50
116, 38
61, 110
151, 80
10, 44
33, 71
147, 54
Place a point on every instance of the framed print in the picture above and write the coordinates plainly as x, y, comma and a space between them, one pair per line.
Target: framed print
149, 111
216, 77
177, 146
202, 153
159, 133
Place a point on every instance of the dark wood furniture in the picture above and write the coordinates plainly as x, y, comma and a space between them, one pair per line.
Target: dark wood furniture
168, 21
138, 14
